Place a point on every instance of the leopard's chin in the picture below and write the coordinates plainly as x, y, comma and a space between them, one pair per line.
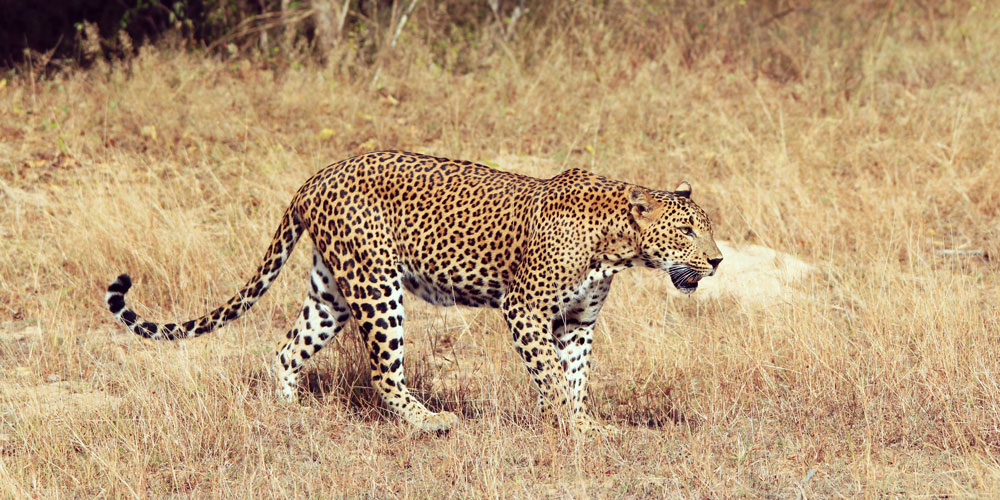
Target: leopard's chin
684, 278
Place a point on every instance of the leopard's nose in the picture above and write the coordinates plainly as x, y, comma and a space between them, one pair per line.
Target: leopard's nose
715, 263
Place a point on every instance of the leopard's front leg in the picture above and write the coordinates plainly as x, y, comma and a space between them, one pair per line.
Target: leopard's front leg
573, 331
532, 336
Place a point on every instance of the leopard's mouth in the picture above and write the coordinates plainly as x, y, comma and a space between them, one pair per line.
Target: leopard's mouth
685, 279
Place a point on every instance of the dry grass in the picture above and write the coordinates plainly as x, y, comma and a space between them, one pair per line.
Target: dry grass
864, 155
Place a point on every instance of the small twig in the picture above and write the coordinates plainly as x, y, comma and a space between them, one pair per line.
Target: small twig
287, 35
800, 493
956, 252
519, 11
508, 27
402, 22
343, 17
395, 35
267, 20
780, 15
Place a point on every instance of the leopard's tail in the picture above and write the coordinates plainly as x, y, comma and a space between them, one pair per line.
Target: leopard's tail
285, 237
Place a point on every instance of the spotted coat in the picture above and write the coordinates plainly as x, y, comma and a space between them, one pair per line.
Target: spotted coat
544, 251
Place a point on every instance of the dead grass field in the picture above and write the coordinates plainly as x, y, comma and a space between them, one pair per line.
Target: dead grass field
876, 377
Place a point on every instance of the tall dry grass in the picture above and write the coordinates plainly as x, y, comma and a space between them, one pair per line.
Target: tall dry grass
861, 139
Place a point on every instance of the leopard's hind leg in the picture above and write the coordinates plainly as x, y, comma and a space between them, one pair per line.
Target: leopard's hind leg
324, 314
377, 304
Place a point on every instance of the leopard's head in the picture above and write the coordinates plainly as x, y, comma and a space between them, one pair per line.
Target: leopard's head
674, 234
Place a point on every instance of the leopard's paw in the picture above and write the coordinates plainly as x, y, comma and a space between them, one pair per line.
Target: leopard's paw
587, 426
439, 423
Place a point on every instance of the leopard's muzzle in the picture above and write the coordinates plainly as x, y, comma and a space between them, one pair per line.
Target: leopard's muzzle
685, 278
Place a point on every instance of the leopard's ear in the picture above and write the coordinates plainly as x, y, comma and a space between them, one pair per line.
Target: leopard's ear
642, 204
683, 190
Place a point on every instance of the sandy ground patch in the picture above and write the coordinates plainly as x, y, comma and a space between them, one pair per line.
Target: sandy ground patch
24, 393
755, 275
51, 398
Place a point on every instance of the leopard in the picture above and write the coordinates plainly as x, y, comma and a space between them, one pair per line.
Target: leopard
543, 251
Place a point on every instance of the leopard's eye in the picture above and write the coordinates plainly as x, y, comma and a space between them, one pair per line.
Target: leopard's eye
687, 231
